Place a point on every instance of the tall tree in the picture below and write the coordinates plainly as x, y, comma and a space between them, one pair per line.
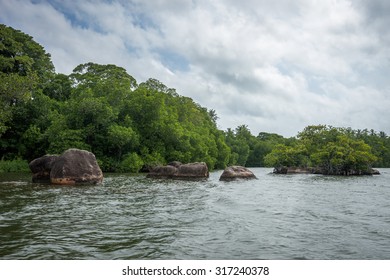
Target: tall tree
24, 65
25, 68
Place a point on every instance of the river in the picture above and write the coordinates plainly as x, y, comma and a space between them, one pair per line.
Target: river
133, 217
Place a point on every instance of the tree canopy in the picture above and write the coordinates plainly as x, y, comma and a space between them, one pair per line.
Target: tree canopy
24, 65
100, 108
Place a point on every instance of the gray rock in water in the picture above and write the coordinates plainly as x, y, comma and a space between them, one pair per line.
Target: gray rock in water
236, 172
177, 170
76, 166
295, 170
72, 167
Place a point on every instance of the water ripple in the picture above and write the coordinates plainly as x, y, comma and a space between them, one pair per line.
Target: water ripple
133, 217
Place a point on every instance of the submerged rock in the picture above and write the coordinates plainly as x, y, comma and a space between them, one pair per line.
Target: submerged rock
236, 172
295, 170
353, 172
177, 170
74, 166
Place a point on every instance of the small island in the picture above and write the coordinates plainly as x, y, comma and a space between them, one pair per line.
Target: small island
323, 150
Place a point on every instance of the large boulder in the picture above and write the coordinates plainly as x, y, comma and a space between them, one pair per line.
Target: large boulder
177, 170
74, 166
41, 168
236, 172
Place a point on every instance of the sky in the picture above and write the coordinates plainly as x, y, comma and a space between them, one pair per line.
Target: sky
276, 66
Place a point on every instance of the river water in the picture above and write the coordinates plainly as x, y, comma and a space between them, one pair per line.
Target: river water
133, 217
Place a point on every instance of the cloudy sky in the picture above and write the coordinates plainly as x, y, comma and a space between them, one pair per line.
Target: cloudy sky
274, 65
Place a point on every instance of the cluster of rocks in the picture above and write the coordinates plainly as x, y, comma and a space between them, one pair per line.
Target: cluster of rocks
295, 170
74, 166
177, 170
197, 170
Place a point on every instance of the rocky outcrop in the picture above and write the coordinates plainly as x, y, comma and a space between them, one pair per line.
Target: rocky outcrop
352, 172
375, 172
177, 170
74, 166
236, 172
296, 170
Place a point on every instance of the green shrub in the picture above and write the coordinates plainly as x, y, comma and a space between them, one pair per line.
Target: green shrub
16, 165
131, 163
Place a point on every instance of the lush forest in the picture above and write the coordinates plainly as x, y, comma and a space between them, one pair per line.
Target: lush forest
131, 126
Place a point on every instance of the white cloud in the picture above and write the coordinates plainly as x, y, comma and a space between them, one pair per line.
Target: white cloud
274, 65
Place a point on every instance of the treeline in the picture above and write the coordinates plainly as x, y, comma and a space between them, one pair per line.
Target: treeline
328, 147
128, 125
100, 108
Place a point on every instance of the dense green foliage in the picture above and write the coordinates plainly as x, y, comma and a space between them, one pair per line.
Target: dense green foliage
15, 165
333, 150
24, 64
130, 126
100, 108
249, 150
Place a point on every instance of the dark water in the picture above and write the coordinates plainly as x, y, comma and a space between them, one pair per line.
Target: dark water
132, 217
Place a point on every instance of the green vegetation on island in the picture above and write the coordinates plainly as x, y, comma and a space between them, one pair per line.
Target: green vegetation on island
330, 150
130, 126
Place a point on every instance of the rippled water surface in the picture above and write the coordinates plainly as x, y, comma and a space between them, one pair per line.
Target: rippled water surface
132, 217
